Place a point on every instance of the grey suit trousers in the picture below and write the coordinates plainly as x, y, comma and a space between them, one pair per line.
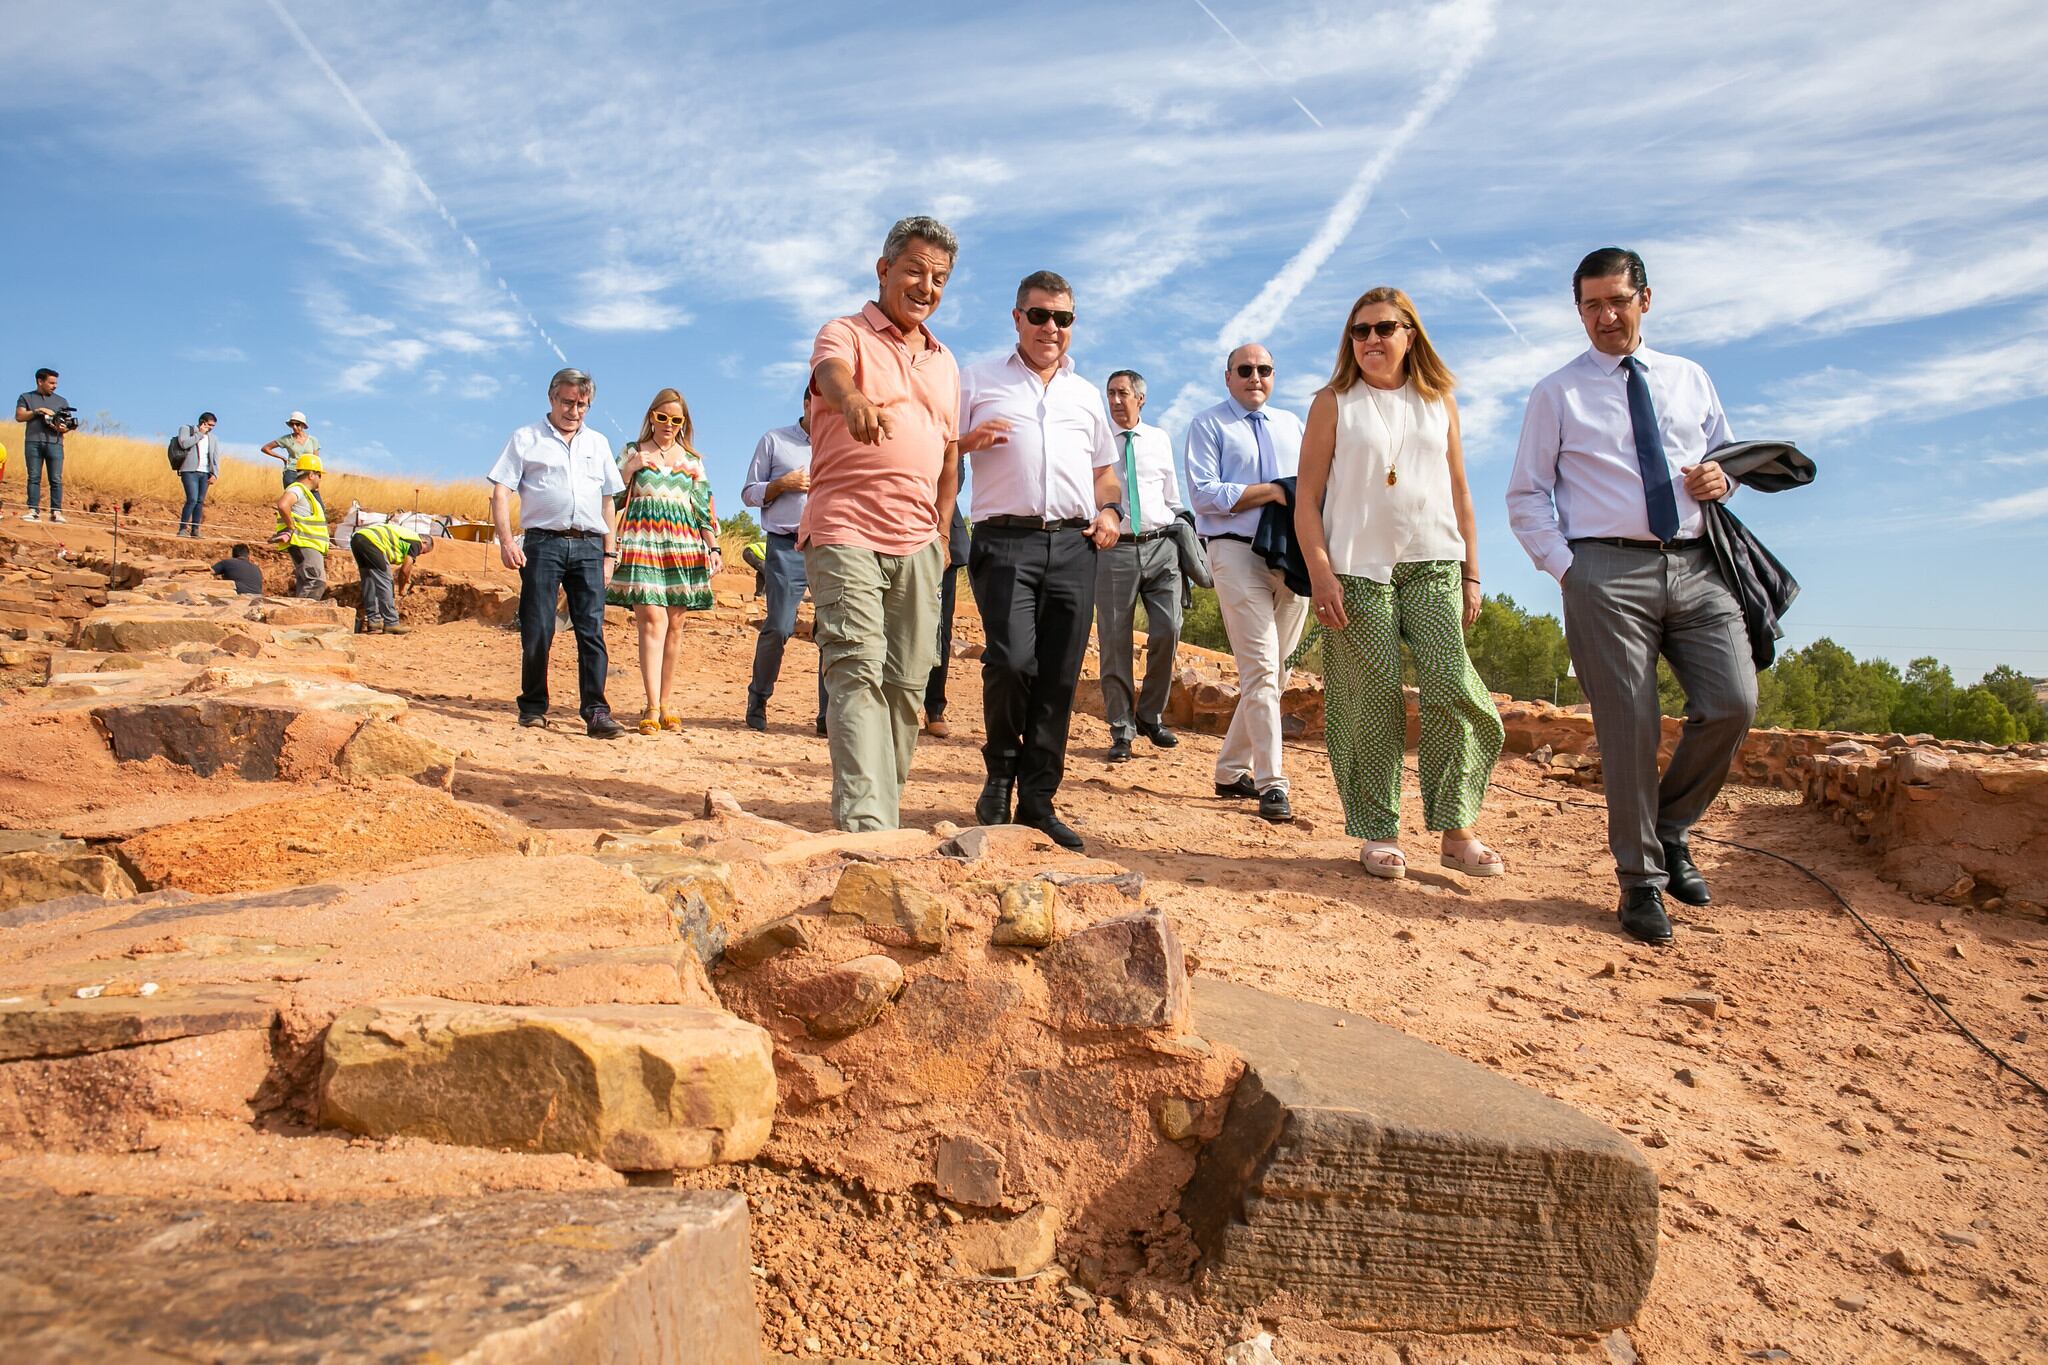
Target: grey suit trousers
1123, 573
1623, 606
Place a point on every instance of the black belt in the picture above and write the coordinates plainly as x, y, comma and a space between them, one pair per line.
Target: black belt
567, 535
1623, 542
1142, 536
1228, 535
1034, 523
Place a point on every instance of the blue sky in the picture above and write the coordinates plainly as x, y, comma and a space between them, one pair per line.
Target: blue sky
392, 216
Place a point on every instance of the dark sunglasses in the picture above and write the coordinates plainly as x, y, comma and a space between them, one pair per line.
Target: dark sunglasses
1262, 371
1038, 317
1361, 330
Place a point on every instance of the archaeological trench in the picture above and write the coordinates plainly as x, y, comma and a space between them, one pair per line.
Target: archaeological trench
593, 1042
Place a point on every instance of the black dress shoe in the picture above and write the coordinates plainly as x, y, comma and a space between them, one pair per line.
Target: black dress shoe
757, 717
534, 721
1053, 828
1242, 787
1642, 915
1273, 807
1119, 750
993, 806
1161, 737
602, 726
1683, 880
821, 727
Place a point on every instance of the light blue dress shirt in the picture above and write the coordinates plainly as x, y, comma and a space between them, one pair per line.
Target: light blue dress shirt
1225, 457
783, 450
1576, 474
563, 485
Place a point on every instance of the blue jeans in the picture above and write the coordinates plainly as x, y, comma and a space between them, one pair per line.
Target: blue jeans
575, 566
786, 584
195, 500
41, 455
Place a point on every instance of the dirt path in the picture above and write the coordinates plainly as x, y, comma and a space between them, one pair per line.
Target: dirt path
1844, 1178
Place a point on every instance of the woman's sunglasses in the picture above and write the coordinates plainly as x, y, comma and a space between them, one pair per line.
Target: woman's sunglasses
1038, 317
1361, 330
666, 420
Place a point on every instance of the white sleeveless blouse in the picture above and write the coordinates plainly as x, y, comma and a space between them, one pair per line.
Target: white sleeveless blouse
1371, 525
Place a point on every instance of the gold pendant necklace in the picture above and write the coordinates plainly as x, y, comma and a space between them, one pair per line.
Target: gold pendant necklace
1394, 446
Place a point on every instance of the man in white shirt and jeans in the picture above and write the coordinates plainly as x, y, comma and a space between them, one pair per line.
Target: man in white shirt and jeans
565, 477
1144, 563
1605, 497
1045, 499
1235, 452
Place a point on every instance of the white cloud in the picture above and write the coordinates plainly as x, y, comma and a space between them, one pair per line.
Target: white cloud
1832, 401
2026, 506
213, 355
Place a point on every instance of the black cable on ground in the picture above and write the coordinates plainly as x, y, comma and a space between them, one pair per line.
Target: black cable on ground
1854, 914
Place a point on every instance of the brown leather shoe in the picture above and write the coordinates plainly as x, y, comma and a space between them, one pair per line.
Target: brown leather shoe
937, 729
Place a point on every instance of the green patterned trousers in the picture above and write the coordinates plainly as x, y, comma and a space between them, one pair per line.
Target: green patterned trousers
1365, 718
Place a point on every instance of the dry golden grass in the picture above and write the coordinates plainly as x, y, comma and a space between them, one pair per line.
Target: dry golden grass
124, 467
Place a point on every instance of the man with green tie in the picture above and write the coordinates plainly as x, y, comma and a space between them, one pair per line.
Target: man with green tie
1145, 562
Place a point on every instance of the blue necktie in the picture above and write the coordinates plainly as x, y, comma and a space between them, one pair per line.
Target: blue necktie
1642, 415
1269, 467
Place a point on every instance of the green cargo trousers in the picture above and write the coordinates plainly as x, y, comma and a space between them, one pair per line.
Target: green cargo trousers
877, 631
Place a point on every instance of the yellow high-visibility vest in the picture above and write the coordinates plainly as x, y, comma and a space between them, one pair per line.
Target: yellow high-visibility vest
395, 541
308, 524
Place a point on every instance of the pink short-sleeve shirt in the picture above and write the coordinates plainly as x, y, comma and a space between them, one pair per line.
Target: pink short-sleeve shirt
881, 497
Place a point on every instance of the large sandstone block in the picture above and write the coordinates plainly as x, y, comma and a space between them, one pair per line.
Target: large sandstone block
624, 1277
146, 631
382, 749
44, 868
1127, 972
1393, 1184
67, 1026
205, 734
897, 912
638, 1087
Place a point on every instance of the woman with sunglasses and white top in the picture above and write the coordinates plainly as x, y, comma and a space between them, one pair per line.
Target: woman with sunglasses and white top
1385, 523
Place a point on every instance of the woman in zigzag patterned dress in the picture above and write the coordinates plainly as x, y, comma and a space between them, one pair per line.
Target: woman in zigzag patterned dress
668, 547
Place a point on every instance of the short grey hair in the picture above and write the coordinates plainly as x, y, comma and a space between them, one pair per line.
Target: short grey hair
1045, 282
1137, 381
569, 377
922, 227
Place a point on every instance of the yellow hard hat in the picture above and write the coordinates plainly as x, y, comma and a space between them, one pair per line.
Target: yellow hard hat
307, 464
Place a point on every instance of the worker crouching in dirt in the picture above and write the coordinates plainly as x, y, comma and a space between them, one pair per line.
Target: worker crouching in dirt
302, 529
380, 550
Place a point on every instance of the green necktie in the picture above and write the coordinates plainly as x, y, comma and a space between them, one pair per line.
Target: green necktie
1131, 479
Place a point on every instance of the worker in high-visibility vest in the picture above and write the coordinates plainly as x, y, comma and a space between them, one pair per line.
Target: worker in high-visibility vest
3, 469
379, 549
302, 529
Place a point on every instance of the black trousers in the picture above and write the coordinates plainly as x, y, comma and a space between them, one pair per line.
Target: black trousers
1036, 592
935, 686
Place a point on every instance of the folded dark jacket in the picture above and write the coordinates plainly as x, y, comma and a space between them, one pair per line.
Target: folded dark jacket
1763, 586
1274, 542
1194, 565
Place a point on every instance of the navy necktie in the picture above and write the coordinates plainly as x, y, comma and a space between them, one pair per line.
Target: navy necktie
1642, 415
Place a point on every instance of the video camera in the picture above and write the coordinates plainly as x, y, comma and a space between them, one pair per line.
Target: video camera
64, 419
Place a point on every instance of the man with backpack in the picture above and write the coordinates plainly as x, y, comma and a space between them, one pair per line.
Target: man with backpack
195, 459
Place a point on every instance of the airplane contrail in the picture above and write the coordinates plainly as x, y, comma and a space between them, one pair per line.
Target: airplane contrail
405, 164
1281, 291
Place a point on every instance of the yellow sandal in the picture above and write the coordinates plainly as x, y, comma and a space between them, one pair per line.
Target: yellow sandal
650, 722
671, 720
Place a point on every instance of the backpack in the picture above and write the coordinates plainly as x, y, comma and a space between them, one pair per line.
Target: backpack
171, 450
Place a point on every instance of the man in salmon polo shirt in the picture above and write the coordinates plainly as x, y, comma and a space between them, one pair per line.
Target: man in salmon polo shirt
884, 405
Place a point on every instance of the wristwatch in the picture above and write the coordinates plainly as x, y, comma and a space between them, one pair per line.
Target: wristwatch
1115, 507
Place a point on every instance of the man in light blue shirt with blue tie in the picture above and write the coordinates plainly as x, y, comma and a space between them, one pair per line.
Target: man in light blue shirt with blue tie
1605, 496
1235, 452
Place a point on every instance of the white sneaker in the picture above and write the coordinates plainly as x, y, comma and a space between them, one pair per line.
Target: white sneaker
57, 517
30, 515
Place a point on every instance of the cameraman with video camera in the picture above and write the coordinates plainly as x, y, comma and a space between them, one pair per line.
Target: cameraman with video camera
46, 417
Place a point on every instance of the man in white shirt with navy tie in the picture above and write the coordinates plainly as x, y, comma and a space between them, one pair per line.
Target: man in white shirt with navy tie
1235, 452
1605, 496
1143, 564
